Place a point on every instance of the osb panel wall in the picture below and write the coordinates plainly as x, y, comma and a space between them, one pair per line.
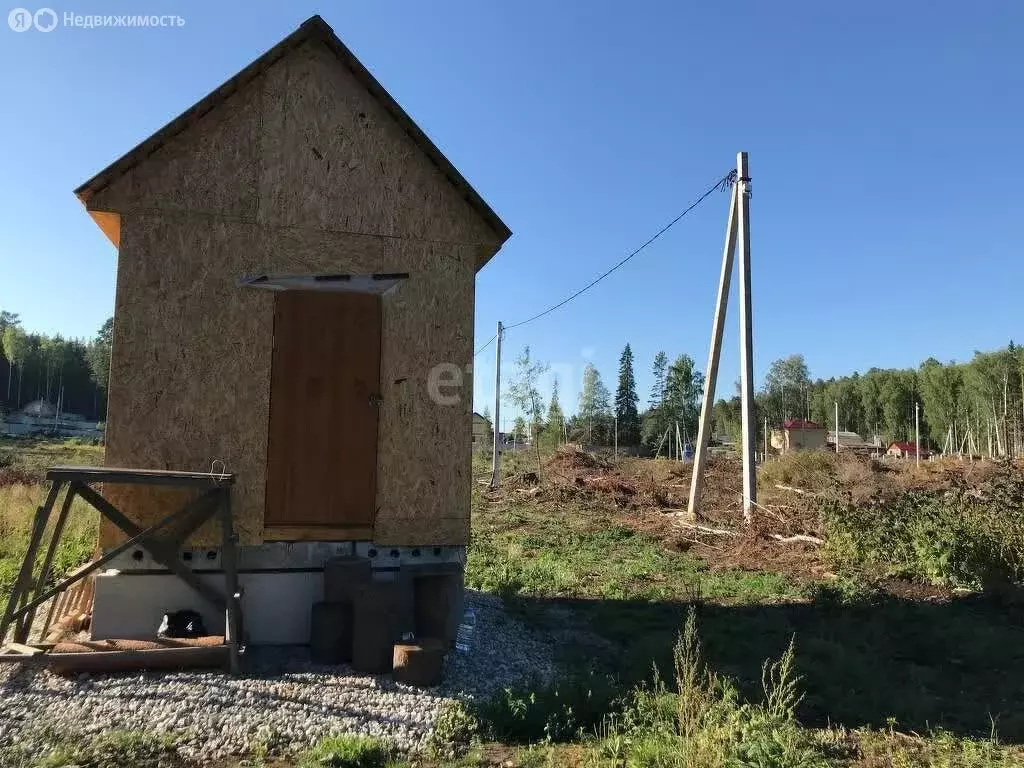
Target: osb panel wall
302, 173
188, 381
190, 373
333, 158
211, 168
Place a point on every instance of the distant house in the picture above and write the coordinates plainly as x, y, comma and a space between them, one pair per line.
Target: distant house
905, 451
41, 417
483, 433
851, 441
798, 435
40, 409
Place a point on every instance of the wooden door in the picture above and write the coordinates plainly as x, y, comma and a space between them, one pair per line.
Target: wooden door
325, 383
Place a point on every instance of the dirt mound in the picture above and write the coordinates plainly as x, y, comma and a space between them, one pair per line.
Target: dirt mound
571, 459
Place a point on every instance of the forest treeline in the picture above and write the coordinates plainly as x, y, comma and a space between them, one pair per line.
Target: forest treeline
976, 405
35, 366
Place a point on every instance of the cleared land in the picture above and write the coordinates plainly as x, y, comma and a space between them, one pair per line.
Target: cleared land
905, 620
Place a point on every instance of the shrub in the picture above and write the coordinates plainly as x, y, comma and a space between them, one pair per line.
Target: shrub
704, 722
454, 732
962, 537
810, 470
560, 711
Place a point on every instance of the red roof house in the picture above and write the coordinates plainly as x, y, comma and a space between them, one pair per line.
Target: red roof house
905, 450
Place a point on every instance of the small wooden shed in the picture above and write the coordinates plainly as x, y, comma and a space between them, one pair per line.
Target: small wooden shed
295, 288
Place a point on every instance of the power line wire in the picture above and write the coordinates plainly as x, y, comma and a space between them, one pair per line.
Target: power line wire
485, 346
720, 184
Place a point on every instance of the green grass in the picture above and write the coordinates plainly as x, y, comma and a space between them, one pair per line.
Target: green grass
18, 505
36, 454
347, 751
564, 549
112, 749
20, 499
618, 595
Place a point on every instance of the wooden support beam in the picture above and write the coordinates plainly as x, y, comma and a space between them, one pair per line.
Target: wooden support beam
22, 649
21, 584
136, 541
161, 553
51, 551
233, 619
138, 476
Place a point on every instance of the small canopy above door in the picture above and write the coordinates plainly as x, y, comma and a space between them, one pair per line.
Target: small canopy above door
379, 283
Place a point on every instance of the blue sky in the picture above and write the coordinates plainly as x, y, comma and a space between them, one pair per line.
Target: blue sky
884, 143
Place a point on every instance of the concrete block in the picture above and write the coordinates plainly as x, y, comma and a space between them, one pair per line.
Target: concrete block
276, 606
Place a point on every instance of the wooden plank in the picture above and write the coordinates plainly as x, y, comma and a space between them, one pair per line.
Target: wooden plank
138, 476
233, 595
51, 550
21, 583
54, 613
21, 648
111, 661
318, 533
325, 385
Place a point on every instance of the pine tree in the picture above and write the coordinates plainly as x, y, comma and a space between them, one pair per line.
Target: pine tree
626, 401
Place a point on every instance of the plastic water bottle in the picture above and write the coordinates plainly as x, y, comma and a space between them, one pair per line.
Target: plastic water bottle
464, 637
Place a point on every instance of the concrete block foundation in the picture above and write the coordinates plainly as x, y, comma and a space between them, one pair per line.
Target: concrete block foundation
280, 582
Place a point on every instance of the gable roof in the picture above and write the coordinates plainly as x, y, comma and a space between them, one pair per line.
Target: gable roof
314, 28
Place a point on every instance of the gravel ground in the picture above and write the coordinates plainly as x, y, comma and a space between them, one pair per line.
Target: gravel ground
282, 700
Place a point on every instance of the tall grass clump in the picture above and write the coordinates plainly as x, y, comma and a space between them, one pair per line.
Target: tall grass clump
705, 723
809, 470
18, 503
350, 751
962, 537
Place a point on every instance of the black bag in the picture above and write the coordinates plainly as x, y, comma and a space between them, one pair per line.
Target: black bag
181, 624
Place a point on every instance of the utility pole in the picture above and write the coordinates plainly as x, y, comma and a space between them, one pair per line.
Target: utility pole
496, 458
917, 432
837, 426
765, 459
714, 356
746, 339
